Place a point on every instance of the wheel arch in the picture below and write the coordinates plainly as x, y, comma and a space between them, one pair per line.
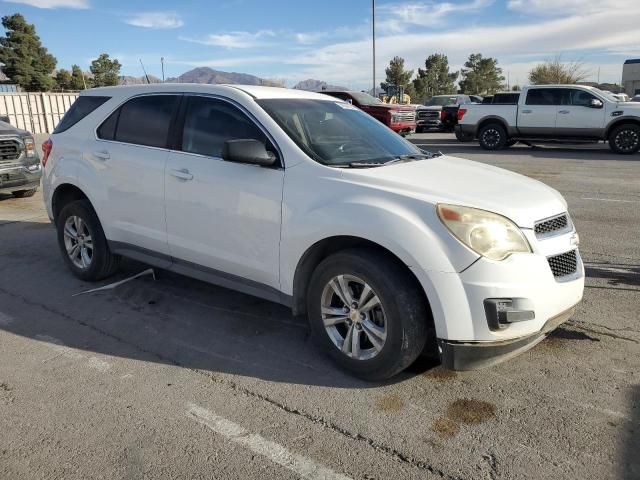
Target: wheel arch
322, 249
63, 195
618, 122
488, 120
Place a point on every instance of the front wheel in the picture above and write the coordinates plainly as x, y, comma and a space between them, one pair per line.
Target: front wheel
625, 139
367, 313
492, 137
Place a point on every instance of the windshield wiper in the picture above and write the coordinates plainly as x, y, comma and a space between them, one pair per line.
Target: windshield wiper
399, 159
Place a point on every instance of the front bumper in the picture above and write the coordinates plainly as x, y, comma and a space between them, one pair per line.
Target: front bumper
429, 123
403, 127
19, 177
475, 355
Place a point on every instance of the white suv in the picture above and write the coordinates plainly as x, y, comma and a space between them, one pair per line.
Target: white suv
305, 200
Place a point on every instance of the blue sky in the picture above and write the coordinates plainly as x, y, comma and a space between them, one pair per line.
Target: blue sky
330, 40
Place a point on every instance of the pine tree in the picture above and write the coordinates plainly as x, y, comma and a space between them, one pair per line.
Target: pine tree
435, 79
106, 72
63, 79
77, 80
396, 74
26, 62
481, 76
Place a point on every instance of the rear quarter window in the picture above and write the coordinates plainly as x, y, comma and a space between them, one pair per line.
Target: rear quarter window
82, 107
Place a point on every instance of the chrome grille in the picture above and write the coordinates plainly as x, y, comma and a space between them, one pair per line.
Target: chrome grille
552, 225
564, 264
428, 114
9, 150
406, 115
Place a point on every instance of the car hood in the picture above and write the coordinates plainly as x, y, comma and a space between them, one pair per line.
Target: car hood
8, 129
383, 106
458, 181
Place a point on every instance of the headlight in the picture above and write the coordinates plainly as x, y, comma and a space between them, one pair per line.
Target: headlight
488, 234
395, 118
29, 147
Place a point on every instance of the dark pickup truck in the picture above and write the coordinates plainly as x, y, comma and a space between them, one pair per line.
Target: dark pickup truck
19, 162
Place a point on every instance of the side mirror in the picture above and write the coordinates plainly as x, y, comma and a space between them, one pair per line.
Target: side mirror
349, 101
594, 103
248, 151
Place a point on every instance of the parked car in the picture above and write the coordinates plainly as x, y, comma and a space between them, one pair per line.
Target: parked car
565, 113
305, 200
19, 162
399, 118
636, 98
428, 116
621, 97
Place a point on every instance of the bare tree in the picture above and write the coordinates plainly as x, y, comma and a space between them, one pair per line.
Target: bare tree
558, 72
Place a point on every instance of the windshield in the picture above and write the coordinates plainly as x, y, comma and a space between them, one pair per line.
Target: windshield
365, 99
337, 133
441, 100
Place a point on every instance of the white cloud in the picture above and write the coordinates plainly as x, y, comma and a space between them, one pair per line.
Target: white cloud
235, 39
396, 18
77, 4
572, 36
557, 7
159, 20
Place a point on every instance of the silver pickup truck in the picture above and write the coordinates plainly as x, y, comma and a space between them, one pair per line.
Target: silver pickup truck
554, 113
20, 170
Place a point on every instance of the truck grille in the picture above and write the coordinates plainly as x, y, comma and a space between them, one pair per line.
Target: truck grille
552, 225
9, 150
564, 264
428, 114
406, 115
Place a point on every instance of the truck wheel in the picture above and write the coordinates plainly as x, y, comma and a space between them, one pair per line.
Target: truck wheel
419, 130
492, 137
82, 242
625, 139
367, 313
25, 193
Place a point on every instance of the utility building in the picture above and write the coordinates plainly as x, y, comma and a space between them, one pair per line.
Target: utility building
631, 76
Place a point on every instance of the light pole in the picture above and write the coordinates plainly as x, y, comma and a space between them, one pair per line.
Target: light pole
373, 37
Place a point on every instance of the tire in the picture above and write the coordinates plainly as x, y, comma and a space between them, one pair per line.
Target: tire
25, 193
463, 137
492, 136
99, 262
625, 139
419, 130
401, 313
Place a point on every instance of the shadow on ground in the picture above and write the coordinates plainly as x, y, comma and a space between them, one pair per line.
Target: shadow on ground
614, 273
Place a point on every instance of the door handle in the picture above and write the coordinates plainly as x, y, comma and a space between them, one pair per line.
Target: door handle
527, 111
564, 112
102, 154
182, 174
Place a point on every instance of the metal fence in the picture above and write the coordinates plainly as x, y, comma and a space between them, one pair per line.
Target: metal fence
35, 112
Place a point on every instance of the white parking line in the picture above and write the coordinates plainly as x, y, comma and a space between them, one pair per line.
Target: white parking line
610, 200
305, 467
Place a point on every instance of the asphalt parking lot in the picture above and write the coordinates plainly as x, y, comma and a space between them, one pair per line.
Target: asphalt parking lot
175, 378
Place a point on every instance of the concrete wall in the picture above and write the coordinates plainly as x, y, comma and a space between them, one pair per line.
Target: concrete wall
35, 112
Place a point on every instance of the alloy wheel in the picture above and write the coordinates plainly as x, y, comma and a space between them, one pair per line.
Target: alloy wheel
353, 317
78, 242
491, 137
627, 140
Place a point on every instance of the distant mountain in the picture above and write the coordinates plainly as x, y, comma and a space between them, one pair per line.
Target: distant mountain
211, 76
129, 80
312, 85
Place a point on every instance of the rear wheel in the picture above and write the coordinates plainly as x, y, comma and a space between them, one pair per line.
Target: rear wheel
492, 137
25, 193
367, 313
625, 139
83, 244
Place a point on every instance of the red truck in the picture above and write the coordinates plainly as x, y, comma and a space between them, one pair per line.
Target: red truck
399, 118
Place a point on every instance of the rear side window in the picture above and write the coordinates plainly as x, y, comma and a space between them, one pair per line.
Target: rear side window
506, 98
141, 121
548, 96
82, 107
209, 123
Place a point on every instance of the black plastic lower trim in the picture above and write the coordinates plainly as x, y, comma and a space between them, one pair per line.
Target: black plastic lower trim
474, 355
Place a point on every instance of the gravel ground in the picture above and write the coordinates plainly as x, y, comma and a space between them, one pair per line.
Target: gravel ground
175, 378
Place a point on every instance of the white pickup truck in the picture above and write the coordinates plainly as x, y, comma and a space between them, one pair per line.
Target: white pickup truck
556, 113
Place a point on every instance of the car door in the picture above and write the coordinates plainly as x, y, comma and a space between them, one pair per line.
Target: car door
223, 218
579, 118
537, 117
131, 152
